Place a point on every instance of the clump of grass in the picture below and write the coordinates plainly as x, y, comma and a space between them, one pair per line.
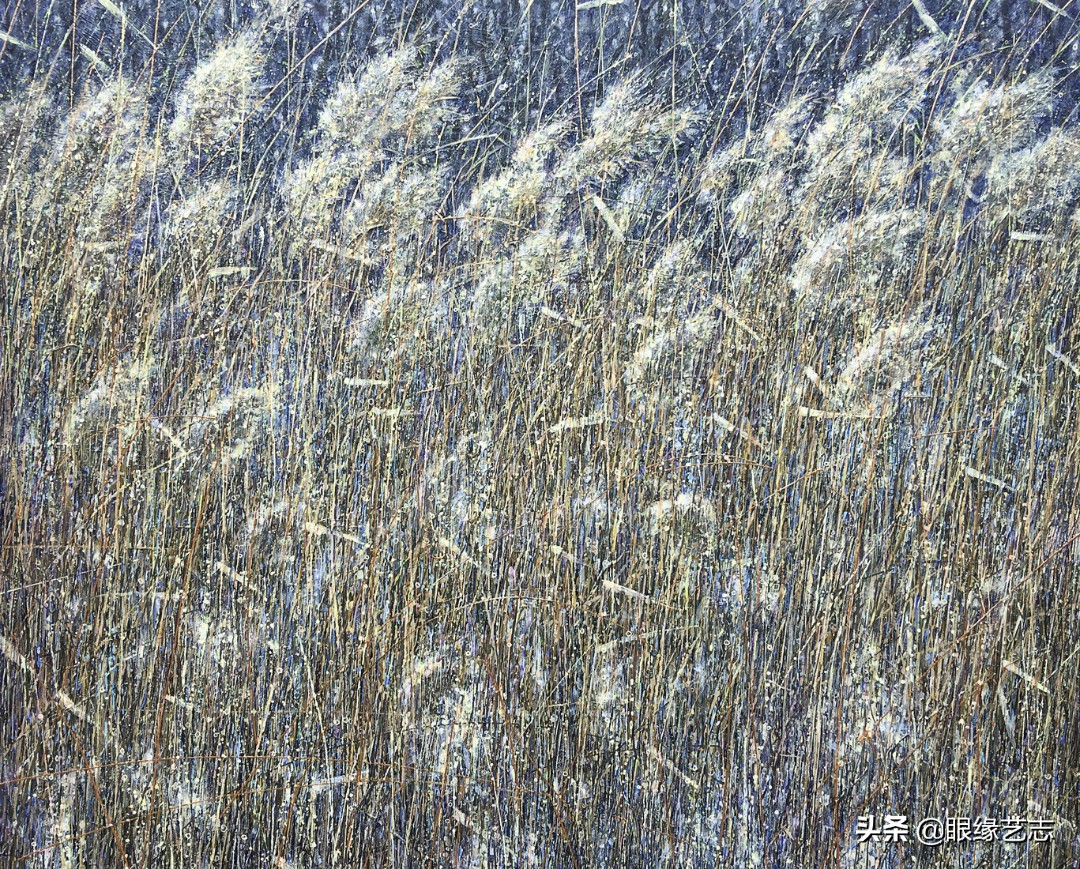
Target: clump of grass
663, 481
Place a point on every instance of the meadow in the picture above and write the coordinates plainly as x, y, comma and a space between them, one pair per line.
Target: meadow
645, 476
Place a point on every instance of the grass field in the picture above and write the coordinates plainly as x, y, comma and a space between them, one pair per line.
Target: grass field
645, 481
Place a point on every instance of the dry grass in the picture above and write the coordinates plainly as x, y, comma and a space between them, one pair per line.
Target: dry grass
639, 491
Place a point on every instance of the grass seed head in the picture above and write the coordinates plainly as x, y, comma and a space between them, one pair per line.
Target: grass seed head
219, 96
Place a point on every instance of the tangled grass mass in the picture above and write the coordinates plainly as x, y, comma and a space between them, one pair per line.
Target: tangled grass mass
490, 435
